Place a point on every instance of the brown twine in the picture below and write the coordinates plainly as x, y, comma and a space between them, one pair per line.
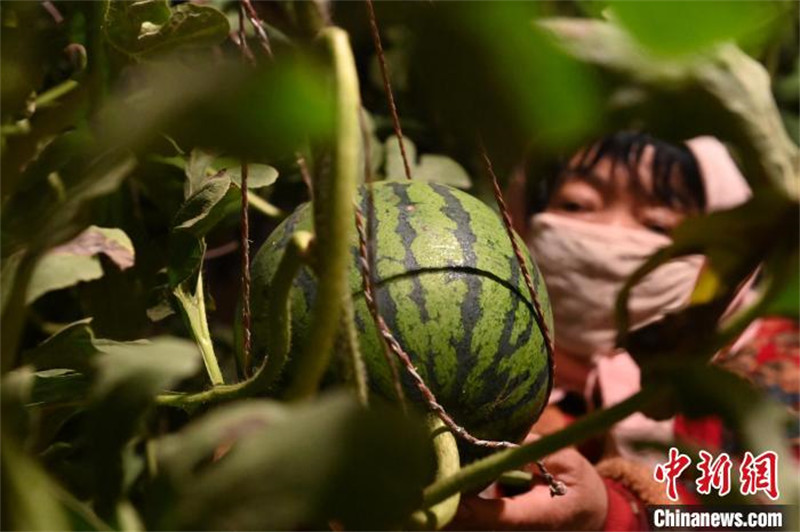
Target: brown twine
258, 26
556, 486
367, 258
242, 37
244, 225
387, 86
398, 350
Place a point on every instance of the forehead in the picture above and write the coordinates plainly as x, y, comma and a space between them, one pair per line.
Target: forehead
610, 173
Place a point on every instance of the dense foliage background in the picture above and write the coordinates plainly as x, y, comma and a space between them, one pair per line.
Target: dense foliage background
121, 256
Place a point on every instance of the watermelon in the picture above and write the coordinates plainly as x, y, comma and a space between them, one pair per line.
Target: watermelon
452, 293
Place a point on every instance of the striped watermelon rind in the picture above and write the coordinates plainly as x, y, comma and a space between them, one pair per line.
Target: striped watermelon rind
450, 288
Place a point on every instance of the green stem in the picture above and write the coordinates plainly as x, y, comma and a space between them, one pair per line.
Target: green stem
264, 207
278, 339
50, 96
333, 218
279, 328
486, 470
127, 518
357, 371
14, 306
194, 307
448, 462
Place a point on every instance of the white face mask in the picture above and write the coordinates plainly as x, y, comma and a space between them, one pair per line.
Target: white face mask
585, 266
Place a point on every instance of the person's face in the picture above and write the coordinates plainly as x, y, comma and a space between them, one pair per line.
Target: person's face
607, 194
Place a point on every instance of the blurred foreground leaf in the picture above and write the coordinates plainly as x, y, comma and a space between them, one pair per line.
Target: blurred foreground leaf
262, 114
296, 467
721, 92
34, 501
697, 390
128, 377
736, 242
486, 69
681, 27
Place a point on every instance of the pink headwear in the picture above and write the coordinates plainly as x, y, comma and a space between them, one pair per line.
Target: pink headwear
725, 186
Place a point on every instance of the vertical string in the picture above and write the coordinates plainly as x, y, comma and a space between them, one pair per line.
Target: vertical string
244, 224
367, 260
387, 86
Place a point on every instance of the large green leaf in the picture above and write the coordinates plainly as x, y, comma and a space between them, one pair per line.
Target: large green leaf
296, 467
721, 92
146, 28
512, 89
221, 106
735, 242
686, 26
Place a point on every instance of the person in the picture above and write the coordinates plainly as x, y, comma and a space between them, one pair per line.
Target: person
611, 206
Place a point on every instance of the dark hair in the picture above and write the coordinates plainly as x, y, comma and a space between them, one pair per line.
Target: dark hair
676, 176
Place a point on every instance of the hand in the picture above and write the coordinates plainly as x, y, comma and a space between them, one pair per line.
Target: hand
583, 507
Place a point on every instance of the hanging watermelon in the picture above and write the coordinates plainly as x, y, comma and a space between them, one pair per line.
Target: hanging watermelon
452, 293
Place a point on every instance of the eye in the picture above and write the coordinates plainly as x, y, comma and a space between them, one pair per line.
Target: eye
573, 206
661, 229
660, 220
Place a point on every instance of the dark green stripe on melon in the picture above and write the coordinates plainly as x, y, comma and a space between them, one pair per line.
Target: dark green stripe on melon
451, 290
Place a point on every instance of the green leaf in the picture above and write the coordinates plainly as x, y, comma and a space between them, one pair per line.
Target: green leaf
510, 89
216, 200
735, 242
203, 166
258, 175
33, 222
72, 347
29, 495
152, 365
197, 171
297, 467
41, 215
58, 386
128, 377
786, 301
441, 169
430, 168
179, 454
75, 261
683, 27
144, 29
394, 168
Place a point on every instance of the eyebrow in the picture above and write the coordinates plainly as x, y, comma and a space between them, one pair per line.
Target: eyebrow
592, 178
